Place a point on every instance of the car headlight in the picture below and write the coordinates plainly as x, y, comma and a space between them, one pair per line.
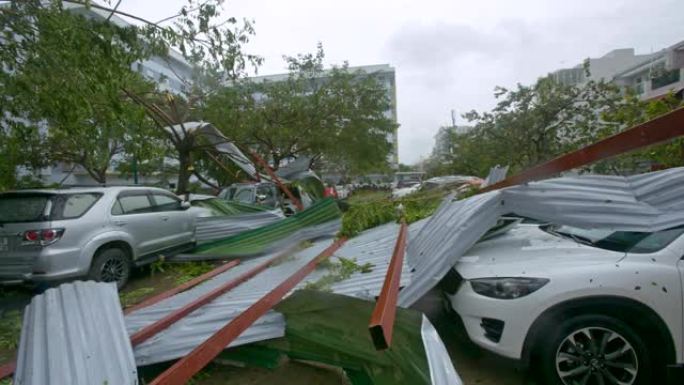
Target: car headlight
508, 287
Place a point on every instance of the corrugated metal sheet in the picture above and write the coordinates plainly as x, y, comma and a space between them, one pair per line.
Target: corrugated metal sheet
373, 246
646, 202
442, 370
186, 334
213, 228
322, 231
496, 175
257, 241
74, 334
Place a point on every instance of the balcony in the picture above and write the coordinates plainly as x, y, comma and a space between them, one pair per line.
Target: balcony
666, 78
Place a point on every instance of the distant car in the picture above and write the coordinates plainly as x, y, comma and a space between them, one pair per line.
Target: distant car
263, 194
578, 306
99, 233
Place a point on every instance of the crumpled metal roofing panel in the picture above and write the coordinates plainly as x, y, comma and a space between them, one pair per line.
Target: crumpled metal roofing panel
212, 228
645, 202
373, 246
442, 370
74, 334
183, 336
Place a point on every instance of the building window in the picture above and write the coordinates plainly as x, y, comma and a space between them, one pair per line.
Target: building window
665, 78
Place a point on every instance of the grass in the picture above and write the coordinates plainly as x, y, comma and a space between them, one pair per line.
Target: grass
129, 298
182, 271
10, 330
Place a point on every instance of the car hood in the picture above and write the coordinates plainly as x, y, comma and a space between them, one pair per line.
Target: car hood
526, 250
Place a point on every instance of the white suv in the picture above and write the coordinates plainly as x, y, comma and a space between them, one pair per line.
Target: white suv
98, 232
576, 306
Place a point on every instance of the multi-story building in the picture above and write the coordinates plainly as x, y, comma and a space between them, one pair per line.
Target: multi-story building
660, 74
605, 67
446, 141
384, 74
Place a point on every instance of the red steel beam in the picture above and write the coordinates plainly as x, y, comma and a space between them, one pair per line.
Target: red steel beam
277, 180
187, 285
183, 370
661, 129
173, 317
381, 323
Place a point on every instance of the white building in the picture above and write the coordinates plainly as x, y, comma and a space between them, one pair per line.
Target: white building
602, 68
660, 74
384, 74
444, 141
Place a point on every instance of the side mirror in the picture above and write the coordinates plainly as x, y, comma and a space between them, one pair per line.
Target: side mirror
261, 197
185, 205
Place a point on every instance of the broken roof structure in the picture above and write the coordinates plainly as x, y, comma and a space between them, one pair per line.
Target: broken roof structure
648, 202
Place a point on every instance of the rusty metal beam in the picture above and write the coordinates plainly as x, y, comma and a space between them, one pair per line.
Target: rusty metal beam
277, 180
183, 370
381, 323
661, 129
173, 317
187, 285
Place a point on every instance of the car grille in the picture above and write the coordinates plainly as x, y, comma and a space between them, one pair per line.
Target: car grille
493, 329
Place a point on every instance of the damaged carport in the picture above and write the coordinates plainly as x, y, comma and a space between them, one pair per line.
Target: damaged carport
641, 203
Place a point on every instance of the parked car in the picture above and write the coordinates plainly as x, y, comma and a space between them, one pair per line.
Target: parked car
577, 306
263, 193
98, 233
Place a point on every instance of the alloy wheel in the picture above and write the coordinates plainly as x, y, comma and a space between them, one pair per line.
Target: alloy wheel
113, 270
596, 356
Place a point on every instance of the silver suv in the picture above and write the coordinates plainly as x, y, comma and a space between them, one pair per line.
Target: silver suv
98, 233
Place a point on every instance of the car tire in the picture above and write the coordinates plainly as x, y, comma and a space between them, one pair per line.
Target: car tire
578, 349
111, 265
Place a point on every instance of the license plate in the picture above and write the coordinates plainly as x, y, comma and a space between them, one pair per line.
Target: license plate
4, 244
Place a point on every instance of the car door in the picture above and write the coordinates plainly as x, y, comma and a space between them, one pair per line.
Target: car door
133, 213
177, 226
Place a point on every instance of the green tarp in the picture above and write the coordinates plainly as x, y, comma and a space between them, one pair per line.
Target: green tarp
332, 329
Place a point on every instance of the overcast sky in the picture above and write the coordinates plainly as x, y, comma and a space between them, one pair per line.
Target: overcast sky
447, 54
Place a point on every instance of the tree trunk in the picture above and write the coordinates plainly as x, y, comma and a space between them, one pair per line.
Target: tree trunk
184, 171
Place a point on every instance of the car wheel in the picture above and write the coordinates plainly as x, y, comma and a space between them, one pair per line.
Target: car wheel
593, 350
111, 265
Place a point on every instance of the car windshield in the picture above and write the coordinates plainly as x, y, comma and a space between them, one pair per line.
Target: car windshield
623, 241
244, 195
23, 207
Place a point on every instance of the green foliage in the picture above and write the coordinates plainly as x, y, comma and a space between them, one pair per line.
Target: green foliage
532, 124
10, 329
67, 73
337, 272
182, 271
378, 211
337, 115
633, 111
132, 297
